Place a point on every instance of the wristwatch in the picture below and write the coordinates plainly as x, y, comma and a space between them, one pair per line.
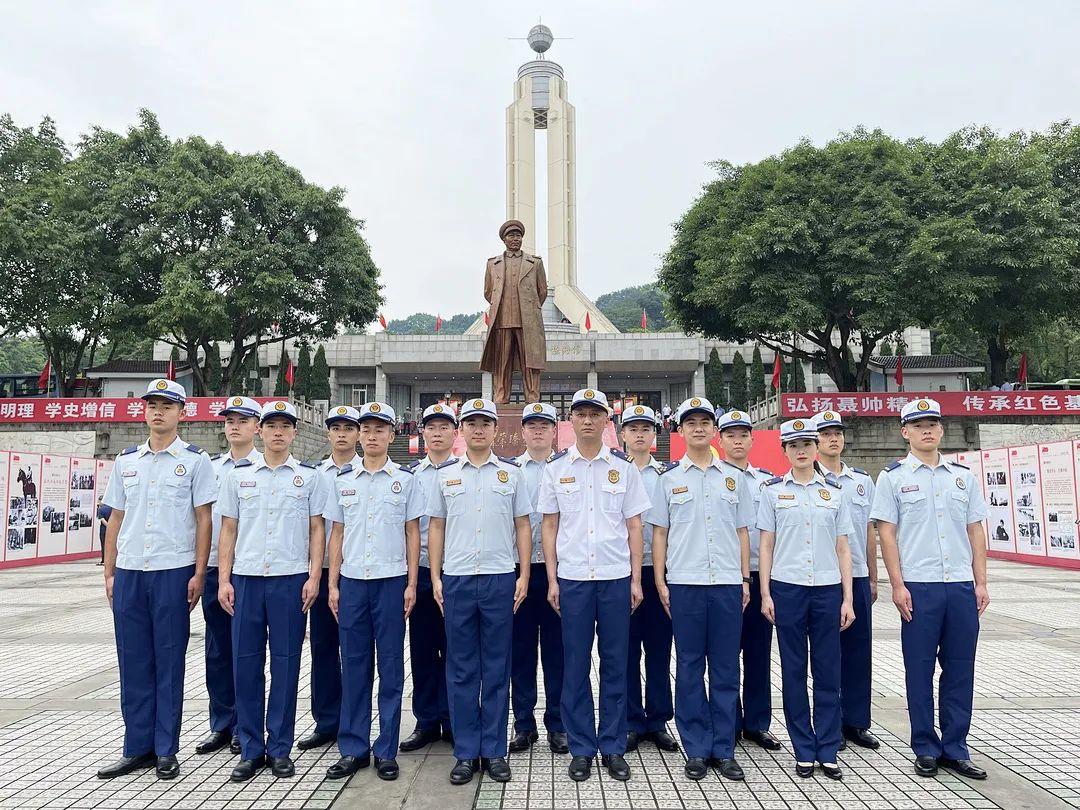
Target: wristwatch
746, 580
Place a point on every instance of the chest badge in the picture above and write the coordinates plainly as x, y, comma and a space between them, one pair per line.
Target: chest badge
180, 469
860, 489
785, 497
395, 487
729, 482
454, 482
129, 473
298, 481
613, 476
503, 476
960, 483
910, 488
824, 494
680, 490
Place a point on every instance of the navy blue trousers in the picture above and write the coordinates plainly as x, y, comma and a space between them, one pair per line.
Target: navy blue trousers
536, 618
325, 661
650, 630
755, 708
267, 607
152, 625
597, 609
810, 614
372, 616
219, 671
944, 627
856, 653
479, 635
708, 628
427, 654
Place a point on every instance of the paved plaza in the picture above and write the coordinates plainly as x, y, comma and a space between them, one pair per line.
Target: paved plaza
60, 721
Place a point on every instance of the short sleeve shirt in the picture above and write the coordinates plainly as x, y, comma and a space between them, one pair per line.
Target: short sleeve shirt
329, 472
222, 465
858, 489
532, 470
755, 479
650, 474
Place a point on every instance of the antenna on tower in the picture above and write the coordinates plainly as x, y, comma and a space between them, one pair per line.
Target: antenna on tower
540, 39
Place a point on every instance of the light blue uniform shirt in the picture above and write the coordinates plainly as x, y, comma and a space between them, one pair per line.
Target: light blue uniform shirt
158, 493
330, 472
807, 519
424, 471
858, 489
273, 508
650, 474
701, 509
532, 471
755, 479
593, 499
932, 508
222, 465
374, 507
479, 504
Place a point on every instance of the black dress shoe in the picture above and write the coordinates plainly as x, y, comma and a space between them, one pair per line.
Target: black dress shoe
234, 745
215, 741
804, 771
462, 772
419, 738
315, 740
522, 741
246, 769
729, 769
926, 766
167, 768
616, 766
347, 766
281, 767
862, 738
126, 765
632, 740
763, 738
558, 743
964, 767
832, 770
696, 768
447, 734
662, 740
386, 769
497, 769
580, 768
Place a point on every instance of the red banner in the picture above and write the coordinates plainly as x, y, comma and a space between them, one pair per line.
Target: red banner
765, 453
953, 403
68, 411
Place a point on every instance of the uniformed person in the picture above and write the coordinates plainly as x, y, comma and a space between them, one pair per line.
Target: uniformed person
592, 498
650, 625
755, 707
272, 539
156, 550
536, 619
427, 633
342, 430
375, 512
856, 650
241, 415
701, 510
929, 515
479, 504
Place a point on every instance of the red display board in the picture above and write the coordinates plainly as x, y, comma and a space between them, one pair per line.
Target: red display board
953, 403
765, 454
71, 411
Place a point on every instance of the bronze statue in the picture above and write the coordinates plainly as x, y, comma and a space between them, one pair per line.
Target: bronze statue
515, 285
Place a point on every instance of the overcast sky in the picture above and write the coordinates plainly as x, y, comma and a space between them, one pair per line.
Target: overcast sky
403, 103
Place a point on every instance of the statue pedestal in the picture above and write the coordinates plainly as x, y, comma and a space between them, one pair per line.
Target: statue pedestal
508, 440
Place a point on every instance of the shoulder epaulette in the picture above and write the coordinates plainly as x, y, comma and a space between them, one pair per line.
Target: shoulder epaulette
495, 259
767, 472
309, 466
892, 465
413, 466
244, 462
859, 471
215, 457
559, 455
406, 468
832, 482
448, 462
619, 454
194, 448
508, 460
776, 479
346, 469
671, 465
961, 466
131, 449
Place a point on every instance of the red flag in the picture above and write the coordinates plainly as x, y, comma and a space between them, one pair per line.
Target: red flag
899, 377
43, 377
438, 322
776, 371
382, 320
588, 321
290, 373
1021, 375
414, 445
170, 372
486, 321
644, 320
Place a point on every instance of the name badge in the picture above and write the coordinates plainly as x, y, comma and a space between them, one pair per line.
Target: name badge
910, 488
680, 490
129, 473
348, 492
454, 483
785, 497
569, 480
247, 483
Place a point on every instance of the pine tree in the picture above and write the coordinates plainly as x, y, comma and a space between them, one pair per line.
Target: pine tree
175, 355
714, 378
319, 388
212, 370
302, 384
757, 378
738, 383
281, 387
885, 349
798, 382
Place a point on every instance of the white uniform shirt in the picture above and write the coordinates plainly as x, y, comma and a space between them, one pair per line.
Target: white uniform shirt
755, 479
859, 488
424, 470
330, 472
222, 465
532, 471
650, 474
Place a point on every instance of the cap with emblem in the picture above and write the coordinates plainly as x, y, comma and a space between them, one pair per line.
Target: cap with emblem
278, 408
795, 429
478, 407
922, 408
343, 413
166, 389
508, 225
733, 419
590, 396
439, 410
639, 413
539, 410
829, 419
377, 410
694, 405
241, 406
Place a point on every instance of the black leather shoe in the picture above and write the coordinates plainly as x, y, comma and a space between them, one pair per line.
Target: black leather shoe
662, 740
215, 741
126, 765
862, 738
447, 734
763, 738
632, 740
522, 741
386, 769
696, 768
580, 768
558, 743
926, 766
729, 769
497, 769
832, 770
315, 740
347, 766
234, 745
281, 767
167, 768
246, 769
462, 773
419, 738
616, 766
804, 771
964, 767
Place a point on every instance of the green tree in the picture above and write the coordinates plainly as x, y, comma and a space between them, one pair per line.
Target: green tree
797, 382
211, 370
21, 355
756, 392
302, 386
739, 389
320, 376
623, 308
423, 323
885, 349
714, 378
281, 385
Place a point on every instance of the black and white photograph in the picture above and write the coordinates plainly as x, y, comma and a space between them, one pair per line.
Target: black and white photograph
56, 522
1028, 477
1025, 499
996, 478
998, 498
